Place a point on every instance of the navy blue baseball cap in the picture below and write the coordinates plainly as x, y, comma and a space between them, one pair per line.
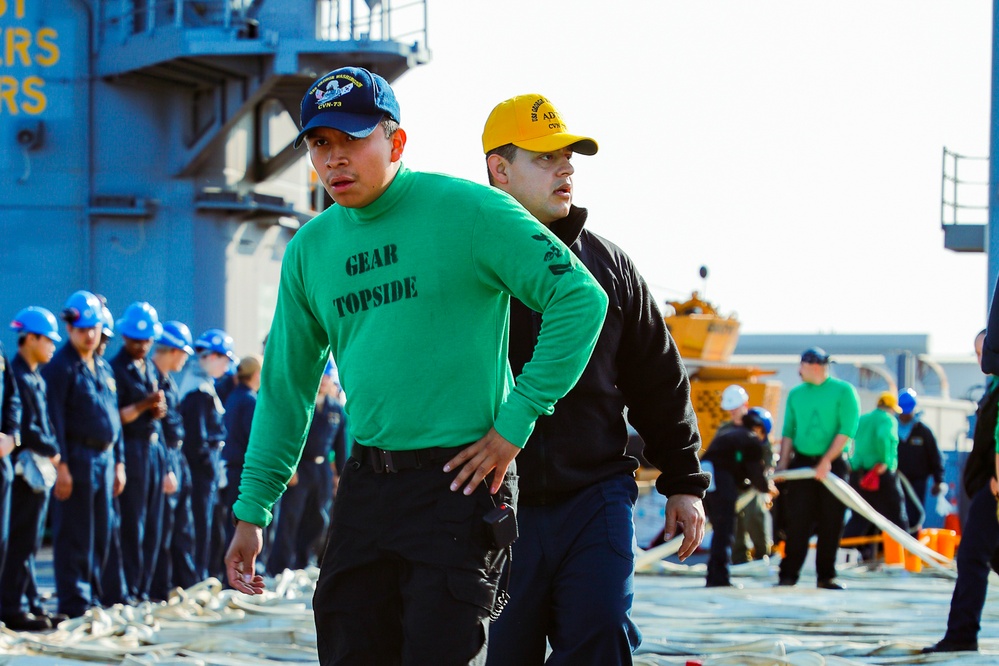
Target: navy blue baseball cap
349, 99
815, 355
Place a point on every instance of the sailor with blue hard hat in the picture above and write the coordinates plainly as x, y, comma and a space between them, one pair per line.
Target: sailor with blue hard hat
83, 310
919, 458
141, 404
38, 321
215, 341
219, 342
34, 464
175, 563
204, 438
765, 417
176, 335
83, 405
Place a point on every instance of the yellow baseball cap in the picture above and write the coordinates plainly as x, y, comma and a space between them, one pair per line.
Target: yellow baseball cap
533, 123
889, 400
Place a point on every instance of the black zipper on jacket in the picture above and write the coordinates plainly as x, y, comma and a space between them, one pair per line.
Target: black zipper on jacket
540, 441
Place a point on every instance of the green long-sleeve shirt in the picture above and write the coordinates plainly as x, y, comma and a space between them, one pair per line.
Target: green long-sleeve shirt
990, 385
411, 295
876, 441
816, 413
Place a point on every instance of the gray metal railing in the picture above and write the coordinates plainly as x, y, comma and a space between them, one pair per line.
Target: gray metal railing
403, 21
137, 16
964, 189
376, 20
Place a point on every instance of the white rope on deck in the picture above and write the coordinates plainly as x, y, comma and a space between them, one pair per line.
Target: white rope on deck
884, 618
852, 499
204, 625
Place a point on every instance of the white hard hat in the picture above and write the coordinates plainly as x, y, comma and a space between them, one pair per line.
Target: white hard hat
733, 397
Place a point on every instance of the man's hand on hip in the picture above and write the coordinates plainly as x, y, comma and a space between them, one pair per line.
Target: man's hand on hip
492, 452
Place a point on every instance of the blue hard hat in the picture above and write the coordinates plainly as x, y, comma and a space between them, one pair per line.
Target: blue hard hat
176, 334
140, 322
766, 419
38, 321
215, 340
82, 310
907, 401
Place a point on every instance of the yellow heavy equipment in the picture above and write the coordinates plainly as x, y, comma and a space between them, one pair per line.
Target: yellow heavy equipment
706, 340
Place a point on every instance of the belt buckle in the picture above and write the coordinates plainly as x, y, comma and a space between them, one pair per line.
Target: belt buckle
387, 464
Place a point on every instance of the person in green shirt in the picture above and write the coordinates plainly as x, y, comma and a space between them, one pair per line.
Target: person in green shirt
820, 419
407, 281
874, 463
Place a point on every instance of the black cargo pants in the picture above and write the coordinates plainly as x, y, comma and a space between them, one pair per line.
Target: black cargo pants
409, 576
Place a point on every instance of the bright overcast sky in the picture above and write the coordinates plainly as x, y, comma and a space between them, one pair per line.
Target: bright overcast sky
792, 146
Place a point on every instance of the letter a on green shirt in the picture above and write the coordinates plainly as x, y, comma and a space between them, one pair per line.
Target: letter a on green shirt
816, 413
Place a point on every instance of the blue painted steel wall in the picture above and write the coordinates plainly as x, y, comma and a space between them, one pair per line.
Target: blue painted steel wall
113, 126
43, 188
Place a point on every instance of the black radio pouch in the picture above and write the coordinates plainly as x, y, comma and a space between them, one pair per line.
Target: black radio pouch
501, 526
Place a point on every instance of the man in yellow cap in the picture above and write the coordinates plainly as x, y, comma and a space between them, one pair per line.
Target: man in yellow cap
874, 462
572, 578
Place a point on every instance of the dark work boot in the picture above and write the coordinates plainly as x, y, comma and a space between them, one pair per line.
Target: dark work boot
950, 646
26, 622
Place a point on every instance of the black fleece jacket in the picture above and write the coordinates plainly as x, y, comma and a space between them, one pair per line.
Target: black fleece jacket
635, 364
980, 466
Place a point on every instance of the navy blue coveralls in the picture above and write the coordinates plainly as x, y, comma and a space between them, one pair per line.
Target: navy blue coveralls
83, 405
141, 502
204, 438
10, 424
175, 564
225, 385
239, 408
304, 514
28, 507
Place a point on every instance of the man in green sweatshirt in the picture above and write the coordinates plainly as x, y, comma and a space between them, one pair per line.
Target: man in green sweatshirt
407, 280
820, 419
874, 470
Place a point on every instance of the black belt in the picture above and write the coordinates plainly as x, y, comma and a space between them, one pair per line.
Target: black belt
95, 444
395, 461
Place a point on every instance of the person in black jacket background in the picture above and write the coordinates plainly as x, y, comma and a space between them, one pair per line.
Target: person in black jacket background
979, 549
305, 506
919, 457
175, 563
572, 583
238, 419
738, 455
